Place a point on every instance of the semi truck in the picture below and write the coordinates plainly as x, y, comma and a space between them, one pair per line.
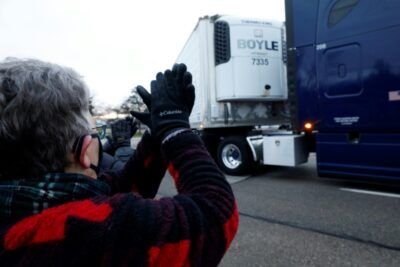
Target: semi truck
327, 80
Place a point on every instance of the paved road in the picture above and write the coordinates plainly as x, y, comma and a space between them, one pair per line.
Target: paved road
289, 217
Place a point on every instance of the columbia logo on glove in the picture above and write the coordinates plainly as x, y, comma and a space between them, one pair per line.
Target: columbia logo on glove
170, 112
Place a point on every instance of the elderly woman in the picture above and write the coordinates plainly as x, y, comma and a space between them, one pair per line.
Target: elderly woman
55, 210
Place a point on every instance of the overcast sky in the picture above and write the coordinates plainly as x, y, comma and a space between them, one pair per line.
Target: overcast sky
117, 44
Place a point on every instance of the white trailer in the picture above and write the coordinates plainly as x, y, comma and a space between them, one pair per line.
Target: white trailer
239, 72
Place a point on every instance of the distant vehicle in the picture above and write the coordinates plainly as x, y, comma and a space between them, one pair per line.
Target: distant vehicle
101, 127
326, 81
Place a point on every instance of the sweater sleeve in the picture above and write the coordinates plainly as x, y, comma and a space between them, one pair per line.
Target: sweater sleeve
194, 228
142, 173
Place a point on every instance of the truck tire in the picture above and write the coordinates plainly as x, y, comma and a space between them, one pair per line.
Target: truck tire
234, 156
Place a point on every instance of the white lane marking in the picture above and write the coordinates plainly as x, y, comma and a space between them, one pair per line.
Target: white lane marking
376, 193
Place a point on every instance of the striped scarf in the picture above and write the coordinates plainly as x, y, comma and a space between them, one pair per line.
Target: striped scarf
24, 197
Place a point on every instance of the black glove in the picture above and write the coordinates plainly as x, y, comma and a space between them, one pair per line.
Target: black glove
122, 131
143, 117
172, 99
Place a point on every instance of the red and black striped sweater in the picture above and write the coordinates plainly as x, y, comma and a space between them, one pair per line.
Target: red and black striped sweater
130, 228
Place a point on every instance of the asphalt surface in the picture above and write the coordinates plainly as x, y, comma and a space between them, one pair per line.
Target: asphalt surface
290, 217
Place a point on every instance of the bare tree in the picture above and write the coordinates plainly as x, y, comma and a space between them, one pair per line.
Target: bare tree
133, 102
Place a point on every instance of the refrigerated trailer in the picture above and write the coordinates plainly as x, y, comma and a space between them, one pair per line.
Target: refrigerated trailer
326, 81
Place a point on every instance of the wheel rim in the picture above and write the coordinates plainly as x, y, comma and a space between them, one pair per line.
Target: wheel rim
231, 156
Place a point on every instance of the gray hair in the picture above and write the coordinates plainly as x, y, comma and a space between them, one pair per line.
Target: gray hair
43, 109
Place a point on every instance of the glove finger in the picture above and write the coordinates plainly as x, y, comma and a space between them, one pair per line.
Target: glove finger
167, 74
187, 79
159, 82
175, 69
181, 71
122, 125
153, 88
145, 95
143, 117
160, 77
127, 124
168, 78
162, 93
115, 127
189, 97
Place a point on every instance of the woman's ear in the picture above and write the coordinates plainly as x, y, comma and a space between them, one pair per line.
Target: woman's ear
84, 159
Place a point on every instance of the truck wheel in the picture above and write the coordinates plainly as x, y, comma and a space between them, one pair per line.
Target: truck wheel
234, 156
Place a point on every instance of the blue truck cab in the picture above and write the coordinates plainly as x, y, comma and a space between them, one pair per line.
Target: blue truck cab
344, 78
